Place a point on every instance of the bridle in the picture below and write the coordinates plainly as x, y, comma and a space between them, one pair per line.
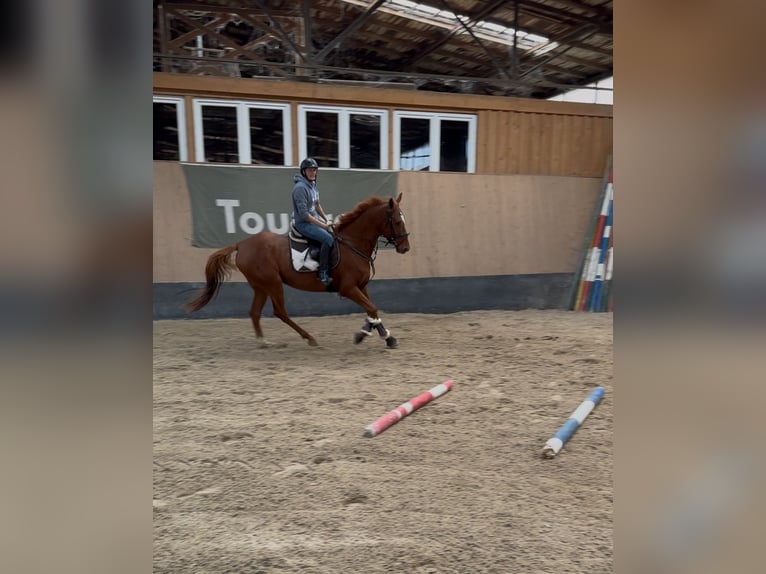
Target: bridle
392, 239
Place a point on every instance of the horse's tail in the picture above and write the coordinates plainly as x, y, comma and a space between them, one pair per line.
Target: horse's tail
217, 270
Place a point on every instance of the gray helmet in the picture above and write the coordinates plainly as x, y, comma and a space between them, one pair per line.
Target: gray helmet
307, 163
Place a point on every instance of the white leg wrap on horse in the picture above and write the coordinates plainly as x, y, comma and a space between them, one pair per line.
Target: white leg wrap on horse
374, 322
368, 333
385, 335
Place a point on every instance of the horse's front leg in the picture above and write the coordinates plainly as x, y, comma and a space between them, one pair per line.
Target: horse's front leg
372, 321
377, 324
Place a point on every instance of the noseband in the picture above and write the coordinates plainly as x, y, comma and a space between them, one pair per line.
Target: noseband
392, 239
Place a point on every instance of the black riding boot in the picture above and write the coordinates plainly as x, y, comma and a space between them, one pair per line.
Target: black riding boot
324, 263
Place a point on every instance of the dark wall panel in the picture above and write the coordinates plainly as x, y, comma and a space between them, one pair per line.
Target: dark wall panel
427, 295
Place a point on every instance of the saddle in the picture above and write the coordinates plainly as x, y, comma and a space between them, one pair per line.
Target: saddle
304, 252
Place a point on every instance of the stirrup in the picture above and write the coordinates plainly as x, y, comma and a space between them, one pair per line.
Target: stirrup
324, 277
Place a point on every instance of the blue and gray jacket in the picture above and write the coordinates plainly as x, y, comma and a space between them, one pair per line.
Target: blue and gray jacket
305, 199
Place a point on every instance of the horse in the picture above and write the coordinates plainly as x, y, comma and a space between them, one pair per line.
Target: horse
265, 261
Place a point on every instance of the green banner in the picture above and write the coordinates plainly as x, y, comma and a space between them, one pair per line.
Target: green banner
228, 203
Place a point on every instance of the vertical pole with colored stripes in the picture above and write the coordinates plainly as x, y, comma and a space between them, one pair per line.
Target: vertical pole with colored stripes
595, 256
591, 291
595, 300
575, 292
606, 299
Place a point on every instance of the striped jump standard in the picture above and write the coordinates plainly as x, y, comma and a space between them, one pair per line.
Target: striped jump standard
595, 263
554, 444
394, 416
591, 287
595, 296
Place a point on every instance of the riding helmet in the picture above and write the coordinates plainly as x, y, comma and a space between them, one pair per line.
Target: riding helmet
307, 163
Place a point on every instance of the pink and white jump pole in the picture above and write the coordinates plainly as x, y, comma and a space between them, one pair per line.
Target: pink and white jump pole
394, 416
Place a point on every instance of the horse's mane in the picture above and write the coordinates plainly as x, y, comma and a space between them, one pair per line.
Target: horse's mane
348, 218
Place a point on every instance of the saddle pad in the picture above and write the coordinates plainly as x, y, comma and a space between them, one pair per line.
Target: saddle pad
302, 260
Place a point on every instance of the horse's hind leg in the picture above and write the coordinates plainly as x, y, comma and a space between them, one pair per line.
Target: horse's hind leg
278, 302
259, 300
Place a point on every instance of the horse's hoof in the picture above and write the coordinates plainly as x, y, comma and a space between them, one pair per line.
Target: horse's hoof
359, 337
313, 342
269, 345
391, 342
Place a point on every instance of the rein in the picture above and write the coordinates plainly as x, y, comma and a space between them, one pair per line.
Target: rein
360, 253
390, 240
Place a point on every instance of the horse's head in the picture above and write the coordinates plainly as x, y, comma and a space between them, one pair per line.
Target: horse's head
396, 231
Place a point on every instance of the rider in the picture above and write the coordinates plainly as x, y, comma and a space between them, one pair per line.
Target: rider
308, 216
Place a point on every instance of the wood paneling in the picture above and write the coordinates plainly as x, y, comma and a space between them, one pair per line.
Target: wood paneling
460, 225
544, 144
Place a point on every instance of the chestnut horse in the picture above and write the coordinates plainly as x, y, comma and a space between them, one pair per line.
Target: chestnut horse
265, 261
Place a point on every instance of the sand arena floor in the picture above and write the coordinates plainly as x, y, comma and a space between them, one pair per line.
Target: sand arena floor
260, 465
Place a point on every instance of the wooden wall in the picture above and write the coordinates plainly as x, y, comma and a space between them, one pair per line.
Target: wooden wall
514, 135
542, 143
460, 225
520, 219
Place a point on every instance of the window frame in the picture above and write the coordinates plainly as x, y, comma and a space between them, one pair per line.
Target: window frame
243, 128
344, 131
180, 102
435, 137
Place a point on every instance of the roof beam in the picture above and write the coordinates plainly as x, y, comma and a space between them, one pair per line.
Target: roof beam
473, 19
219, 9
280, 30
586, 63
353, 27
515, 49
383, 74
587, 47
276, 30
582, 33
558, 15
561, 71
223, 40
447, 48
500, 68
594, 9
583, 83
597, 78
307, 25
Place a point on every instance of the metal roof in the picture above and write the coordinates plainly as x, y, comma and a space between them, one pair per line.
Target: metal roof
523, 48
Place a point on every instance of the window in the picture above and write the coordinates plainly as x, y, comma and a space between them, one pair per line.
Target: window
322, 137
267, 137
453, 151
242, 132
366, 150
169, 129
434, 142
219, 133
353, 138
415, 144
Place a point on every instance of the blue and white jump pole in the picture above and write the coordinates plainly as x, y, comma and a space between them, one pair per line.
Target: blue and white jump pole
554, 444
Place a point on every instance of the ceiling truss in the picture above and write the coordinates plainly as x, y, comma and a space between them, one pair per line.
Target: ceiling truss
366, 41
